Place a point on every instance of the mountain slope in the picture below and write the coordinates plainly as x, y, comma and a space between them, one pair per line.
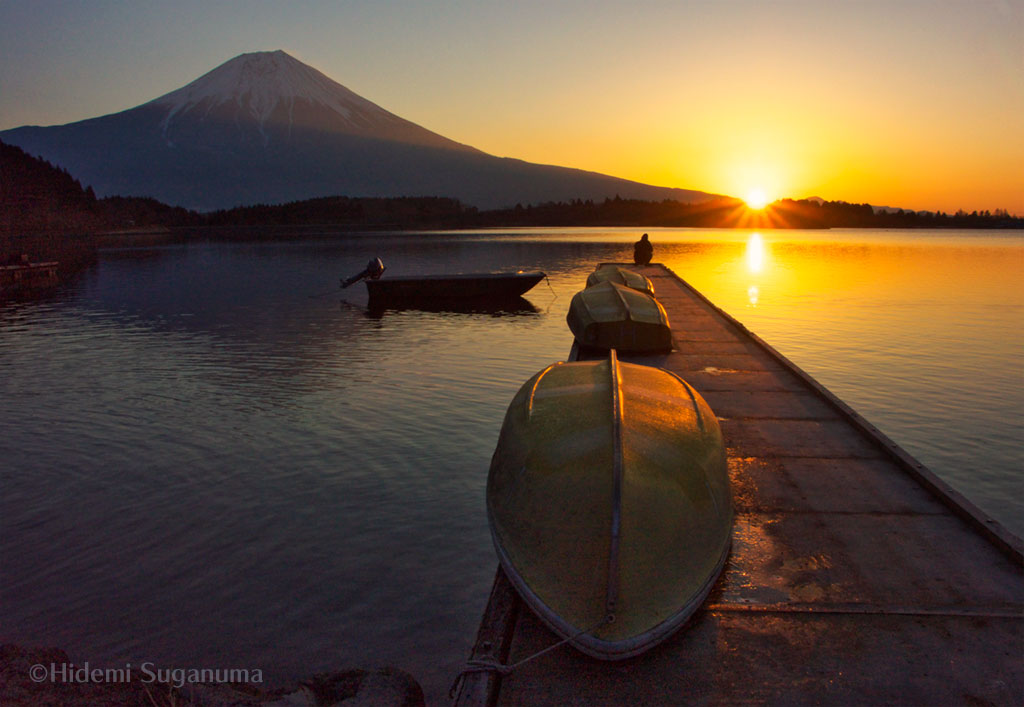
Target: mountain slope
266, 128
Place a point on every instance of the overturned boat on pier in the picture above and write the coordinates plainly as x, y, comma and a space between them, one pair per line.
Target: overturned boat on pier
609, 504
609, 316
610, 272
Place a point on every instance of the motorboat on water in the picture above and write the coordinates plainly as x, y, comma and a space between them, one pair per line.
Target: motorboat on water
460, 287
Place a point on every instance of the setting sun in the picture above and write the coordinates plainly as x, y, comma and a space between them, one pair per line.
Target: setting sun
756, 199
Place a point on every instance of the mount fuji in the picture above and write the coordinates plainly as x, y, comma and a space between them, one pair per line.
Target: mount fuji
266, 128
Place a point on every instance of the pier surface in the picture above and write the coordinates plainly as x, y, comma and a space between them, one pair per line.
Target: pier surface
856, 576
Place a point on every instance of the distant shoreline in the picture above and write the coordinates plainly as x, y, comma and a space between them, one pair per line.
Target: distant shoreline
76, 251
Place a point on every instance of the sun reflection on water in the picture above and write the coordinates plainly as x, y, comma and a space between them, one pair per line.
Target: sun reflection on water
755, 253
755, 257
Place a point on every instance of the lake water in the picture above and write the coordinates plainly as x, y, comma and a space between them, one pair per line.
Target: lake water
211, 457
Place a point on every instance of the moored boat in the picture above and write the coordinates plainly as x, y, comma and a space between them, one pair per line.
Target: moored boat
460, 287
433, 289
622, 276
610, 316
609, 504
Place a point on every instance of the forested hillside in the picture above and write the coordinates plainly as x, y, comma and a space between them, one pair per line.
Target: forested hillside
37, 197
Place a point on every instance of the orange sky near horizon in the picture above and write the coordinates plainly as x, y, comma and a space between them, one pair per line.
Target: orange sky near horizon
923, 114
905, 103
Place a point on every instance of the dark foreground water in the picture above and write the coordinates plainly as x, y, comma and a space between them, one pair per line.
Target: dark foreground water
211, 458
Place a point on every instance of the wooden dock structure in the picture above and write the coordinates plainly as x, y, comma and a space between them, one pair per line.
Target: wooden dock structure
27, 277
856, 577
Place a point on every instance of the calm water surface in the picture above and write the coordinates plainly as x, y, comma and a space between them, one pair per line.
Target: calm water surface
212, 458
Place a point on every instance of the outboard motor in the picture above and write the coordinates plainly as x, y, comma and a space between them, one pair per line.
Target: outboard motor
374, 269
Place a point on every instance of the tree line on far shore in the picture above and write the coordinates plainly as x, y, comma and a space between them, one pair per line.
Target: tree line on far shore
733, 213
39, 198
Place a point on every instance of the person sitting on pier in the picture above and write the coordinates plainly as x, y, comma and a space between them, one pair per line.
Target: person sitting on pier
643, 251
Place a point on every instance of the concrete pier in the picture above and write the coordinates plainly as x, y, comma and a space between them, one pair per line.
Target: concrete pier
856, 575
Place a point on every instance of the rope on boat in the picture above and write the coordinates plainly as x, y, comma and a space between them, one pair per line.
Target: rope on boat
553, 299
490, 666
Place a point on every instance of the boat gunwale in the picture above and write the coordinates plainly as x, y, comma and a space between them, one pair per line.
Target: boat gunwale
533, 388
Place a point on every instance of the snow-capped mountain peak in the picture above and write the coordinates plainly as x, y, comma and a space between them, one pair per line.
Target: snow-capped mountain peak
274, 89
260, 81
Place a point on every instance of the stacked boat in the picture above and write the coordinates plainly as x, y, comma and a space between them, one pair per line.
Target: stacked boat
608, 497
610, 272
617, 310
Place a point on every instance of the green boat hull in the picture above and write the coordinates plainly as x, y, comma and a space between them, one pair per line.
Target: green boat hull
608, 498
610, 316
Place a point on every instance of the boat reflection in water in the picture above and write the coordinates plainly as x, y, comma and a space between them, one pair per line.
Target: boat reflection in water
517, 306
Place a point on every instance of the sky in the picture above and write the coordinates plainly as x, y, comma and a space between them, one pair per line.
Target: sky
911, 103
